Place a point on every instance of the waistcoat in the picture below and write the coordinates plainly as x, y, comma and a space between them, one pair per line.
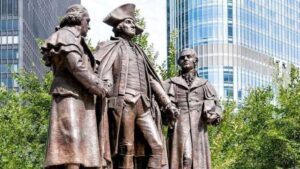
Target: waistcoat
136, 78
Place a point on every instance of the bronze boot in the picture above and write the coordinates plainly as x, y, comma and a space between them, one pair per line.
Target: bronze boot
126, 162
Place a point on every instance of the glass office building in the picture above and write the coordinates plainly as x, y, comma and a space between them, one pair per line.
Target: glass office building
238, 42
22, 22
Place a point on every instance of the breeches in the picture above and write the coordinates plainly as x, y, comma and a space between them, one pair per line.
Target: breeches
137, 115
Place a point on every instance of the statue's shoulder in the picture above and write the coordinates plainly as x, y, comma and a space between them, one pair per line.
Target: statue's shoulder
64, 40
167, 81
106, 43
178, 80
64, 37
201, 81
175, 79
112, 41
107, 49
166, 84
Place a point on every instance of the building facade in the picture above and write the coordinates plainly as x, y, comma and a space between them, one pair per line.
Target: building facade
22, 24
239, 42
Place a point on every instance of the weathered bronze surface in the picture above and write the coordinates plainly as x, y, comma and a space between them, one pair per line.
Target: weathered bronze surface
136, 139
125, 129
198, 104
73, 138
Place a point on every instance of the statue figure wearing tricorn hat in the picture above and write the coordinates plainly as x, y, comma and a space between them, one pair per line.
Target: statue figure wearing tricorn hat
135, 96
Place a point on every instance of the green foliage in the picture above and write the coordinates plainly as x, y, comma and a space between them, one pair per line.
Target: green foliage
142, 40
169, 68
221, 145
40, 41
90, 46
24, 122
264, 132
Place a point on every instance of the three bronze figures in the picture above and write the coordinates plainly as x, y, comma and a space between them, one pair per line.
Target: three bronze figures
108, 108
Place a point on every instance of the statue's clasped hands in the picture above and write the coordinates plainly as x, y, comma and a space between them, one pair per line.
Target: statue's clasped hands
173, 114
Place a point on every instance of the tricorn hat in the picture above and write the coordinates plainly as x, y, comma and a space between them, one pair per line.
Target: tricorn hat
119, 14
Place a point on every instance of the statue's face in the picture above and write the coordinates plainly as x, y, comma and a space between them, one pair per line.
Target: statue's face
85, 24
128, 27
187, 62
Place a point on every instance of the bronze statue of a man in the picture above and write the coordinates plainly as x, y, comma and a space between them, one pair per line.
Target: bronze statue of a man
198, 104
134, 119
73, 138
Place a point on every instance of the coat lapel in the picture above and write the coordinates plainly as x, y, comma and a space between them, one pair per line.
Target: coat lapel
124, 69
198, 82
180, 81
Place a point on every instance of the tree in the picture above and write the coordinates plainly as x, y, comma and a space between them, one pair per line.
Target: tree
264, 132
142, 40
166, 69
24, 122
170, 68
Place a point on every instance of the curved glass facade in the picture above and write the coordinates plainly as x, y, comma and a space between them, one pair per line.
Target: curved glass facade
238, 41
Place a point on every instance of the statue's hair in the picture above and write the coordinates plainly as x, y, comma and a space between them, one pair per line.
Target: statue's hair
117, 29
73, 16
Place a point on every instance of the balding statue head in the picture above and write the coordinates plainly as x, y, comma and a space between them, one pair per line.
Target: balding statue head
188, 59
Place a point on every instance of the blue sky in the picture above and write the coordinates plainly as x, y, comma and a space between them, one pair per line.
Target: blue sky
154, 12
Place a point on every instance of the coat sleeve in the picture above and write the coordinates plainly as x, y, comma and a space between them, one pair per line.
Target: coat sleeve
169, 89
159, 92
87, 78
107, 78
211, 101
105, 55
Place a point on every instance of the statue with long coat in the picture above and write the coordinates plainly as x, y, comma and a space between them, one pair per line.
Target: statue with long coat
198, 104
132, 109
73, 137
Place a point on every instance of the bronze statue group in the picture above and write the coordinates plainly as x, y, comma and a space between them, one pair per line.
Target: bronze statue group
109, 108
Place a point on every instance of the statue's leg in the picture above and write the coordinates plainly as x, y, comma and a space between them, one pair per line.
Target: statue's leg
188, 153
126, 144
149, 129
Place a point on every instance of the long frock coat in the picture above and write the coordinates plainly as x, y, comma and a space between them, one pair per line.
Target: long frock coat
193, 101
73, 137
113, 58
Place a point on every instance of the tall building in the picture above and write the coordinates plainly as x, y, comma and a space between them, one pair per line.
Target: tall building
22, 23
238, 42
